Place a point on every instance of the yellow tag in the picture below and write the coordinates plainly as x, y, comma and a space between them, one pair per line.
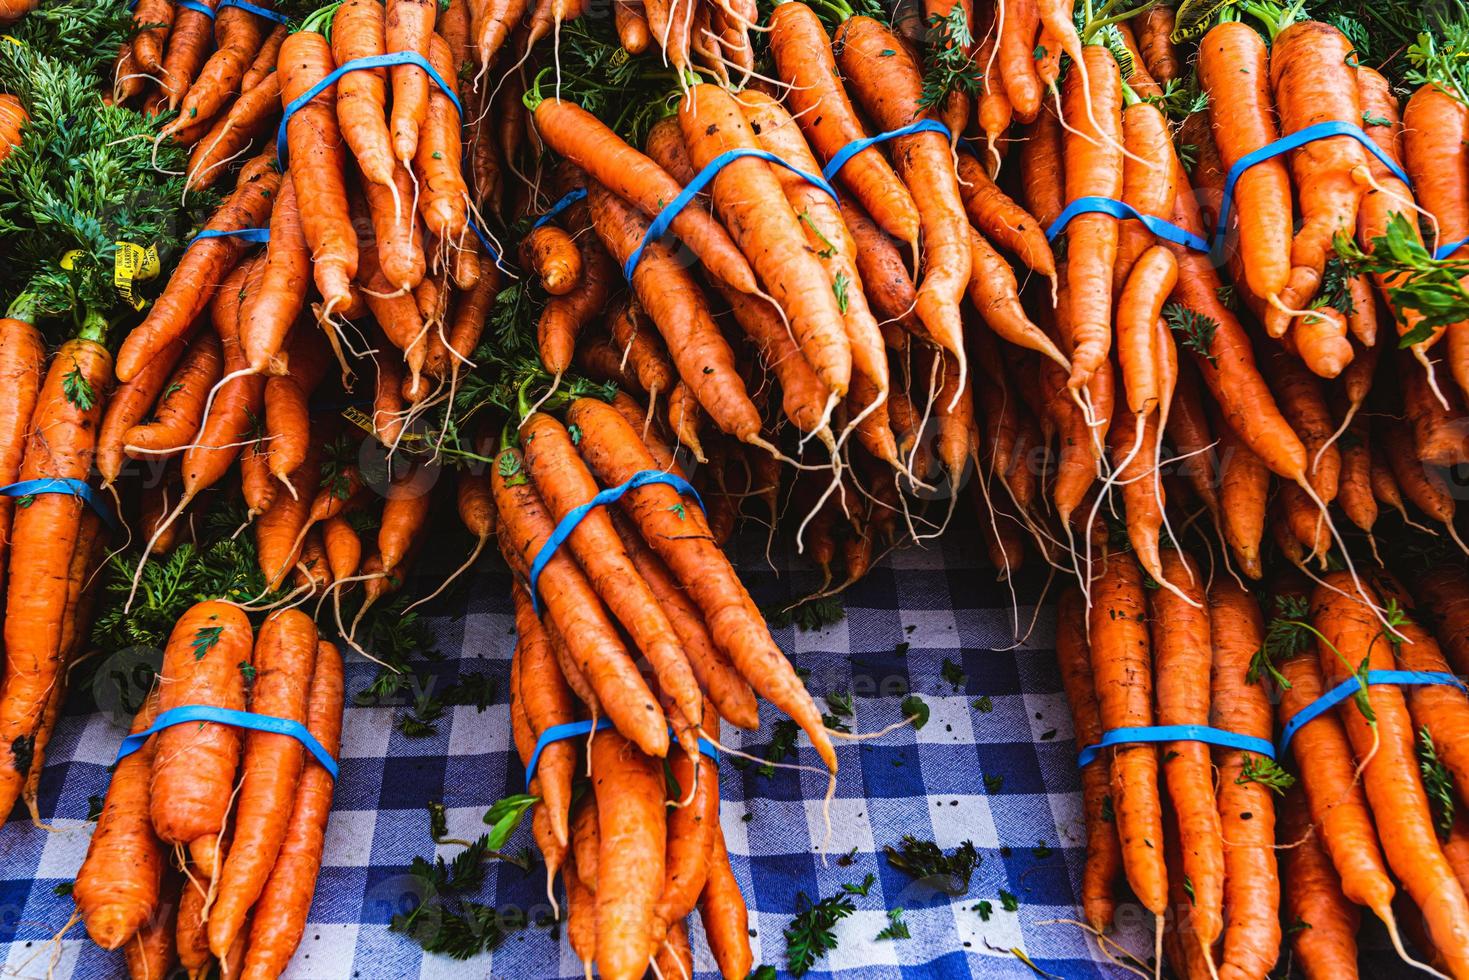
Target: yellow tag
69, 260
134, 263
619, 58
1193, 18
363, 421
12, 39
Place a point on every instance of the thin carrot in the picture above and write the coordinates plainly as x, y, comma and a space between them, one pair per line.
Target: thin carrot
1327, 946
725, 917
247, 119
180, 408
547, 702
1002, 220
268, 313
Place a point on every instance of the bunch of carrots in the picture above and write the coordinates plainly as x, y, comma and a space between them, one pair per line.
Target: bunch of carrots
210, 837
1236, 854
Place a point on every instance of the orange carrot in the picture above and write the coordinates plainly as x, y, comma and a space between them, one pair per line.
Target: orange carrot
361, 102
725, 917
1327, 946
180, 408
630, 793
268, 313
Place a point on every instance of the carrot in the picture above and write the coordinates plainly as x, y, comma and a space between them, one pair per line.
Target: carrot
748, 197
1438, 434
1154, 37
1435, 125
278, 531
890, 87
22, 355
1385, 750
191, 937
404, 514
188, 46
117, 888
552, 254
1442, 711
1233, 70
1303, 403
408, 27
268, 313
629, 790
565, 316
1043, 168
287, 414
1016, 58
611, 448
1313, 82
818, 101
1147, 182
690, 836
152, 952
668, 293
1354, 492
564, 484
131, 403
1103, 850
492, 22
153, 20
1122, 675
1180, 636
632, 26
581, 138
361, 102
318, 162
280, 915
547, 702
232, 132
725, 918
284, 662
1444, 591
642, 349
180, 408
438, 162
1245, 401
204, 264
194, 768
1327, 946
265, 59
826, 232
237, 37
1189, 430
574, 606
1002, 220
995, 111
1424, 487
44, 536
994, 292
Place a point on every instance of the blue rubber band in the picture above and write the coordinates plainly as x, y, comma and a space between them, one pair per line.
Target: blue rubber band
846, 153
1350, 686
1320, 131
195, 6
661, 223
484, 240
72, 488
1176, 733
573, 517
256, 236
246, 5
186, 713
575, 729
567, 200
1444, 251
392, 60
1121, 209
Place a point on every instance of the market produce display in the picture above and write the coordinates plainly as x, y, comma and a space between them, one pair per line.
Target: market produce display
1129, 284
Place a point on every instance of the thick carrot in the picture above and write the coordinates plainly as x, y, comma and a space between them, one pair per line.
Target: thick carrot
676, 304
194, 768
803, 57
1327, 944
1424, 486
284, 662
890, 88
1103, 849
1182, 663
408, 27
1444, 591
690, 833
1441, 710
180, 408
117, 888
188, 46
22, 355
1439, 438
191, 937
1016, 58
748, 197
1435, 125
44, 537
268, 313
1093, 161
443, 198
583, 139
153, 19
237, 37
632, 834
995, 293
1386, 754
280, 915
725, 917
574, 606
1122, 674
203, 265
362, 96
1147, 182
552, 254
318, 163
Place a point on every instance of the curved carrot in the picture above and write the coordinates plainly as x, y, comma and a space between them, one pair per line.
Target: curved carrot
268, 313
1002, 220
725, 917
180, 409
362, 96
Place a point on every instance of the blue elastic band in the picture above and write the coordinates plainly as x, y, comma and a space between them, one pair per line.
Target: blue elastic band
246, 5
1121, 209
575, 729
72, 488
1176, 733
195, 6
1444, 251
573, 517
360, 64
567, 200
846, 153
257, 236
1350, 686
484, 240
1320, 131
660, 224
228, 716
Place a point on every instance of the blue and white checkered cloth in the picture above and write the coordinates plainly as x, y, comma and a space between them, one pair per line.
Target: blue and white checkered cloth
1027, 825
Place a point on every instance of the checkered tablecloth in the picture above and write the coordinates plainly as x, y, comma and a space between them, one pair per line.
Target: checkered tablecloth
914, 611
